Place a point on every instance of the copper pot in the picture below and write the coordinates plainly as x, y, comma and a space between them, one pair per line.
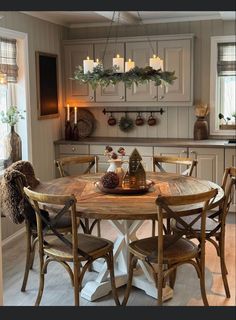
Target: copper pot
139, 120
111, 121
152, 121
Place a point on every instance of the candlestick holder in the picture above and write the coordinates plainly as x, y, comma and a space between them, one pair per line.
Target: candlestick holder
68, 131
75, 134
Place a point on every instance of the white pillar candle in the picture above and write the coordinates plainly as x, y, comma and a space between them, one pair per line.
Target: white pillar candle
68, 112
155, 62
88, 65
75, 115
119, 63
96, 63
129, 65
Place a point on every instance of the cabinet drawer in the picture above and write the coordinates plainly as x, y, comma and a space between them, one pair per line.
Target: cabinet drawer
74, 149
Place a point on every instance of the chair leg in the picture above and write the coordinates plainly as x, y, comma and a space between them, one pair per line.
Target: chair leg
223, 268
172, 278
159, 282
201, 265
28, 259
110, 265
77, 282
132, 260
41, 287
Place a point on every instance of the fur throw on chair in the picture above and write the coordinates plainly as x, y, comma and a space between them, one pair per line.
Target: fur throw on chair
12, 203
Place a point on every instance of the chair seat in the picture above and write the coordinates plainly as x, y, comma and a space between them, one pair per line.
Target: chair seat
93, 246
182, 249
210, 224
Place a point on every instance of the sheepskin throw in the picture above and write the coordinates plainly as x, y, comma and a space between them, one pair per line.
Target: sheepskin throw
12, 203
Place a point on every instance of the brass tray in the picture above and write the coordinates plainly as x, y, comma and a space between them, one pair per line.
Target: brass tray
128, 191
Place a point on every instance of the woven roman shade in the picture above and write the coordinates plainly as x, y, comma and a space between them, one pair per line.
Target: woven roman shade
226, 64
8, 65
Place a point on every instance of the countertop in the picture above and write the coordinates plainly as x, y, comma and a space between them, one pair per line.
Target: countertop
162, 142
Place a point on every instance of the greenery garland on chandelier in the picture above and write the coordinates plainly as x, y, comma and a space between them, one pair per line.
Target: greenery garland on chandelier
105, 77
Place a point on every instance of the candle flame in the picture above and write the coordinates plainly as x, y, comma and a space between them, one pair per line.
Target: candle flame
129, 60
154, 56
87, 58
68, 105
117, 56
97, 60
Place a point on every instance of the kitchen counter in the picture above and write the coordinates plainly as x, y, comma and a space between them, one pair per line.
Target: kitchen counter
165, 142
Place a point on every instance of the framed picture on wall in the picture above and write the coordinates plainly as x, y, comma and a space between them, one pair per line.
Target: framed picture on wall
47, 85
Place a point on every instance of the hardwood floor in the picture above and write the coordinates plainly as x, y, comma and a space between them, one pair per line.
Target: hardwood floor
58, 290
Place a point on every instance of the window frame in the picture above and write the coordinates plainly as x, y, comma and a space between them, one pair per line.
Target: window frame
214, 94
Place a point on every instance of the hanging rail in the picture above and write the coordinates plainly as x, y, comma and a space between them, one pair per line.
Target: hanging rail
161, 111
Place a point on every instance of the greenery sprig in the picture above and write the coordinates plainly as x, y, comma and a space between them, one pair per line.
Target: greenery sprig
12, 116
105, 77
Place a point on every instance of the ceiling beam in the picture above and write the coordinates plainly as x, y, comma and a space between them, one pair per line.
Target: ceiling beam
125, 17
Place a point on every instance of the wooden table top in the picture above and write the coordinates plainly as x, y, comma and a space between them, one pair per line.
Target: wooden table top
92, 203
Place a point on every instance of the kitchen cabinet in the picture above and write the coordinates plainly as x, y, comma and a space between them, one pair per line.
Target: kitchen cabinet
140, 52
110, 93
230, 161
172, 152
175, 50
74, 56
210, 163
177, 57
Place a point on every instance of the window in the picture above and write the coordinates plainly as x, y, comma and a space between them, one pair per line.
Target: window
8, 78
223, 84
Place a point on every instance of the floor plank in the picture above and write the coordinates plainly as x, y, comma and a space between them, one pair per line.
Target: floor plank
58, 290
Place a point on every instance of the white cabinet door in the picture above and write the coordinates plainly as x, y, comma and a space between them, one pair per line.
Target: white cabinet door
230, 161
177, 57
74, 56
210, 163
140, 53
171, 152
112, 92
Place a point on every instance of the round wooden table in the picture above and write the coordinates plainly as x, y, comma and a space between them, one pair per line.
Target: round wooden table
126, 213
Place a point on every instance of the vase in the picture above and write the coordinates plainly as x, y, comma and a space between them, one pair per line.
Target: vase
200, 129
13, 148
116, 166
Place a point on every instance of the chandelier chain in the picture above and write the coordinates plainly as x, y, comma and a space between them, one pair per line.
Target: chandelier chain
108, 36
116, 36
146, 33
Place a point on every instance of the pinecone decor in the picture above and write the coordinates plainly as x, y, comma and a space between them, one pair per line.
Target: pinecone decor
110, 180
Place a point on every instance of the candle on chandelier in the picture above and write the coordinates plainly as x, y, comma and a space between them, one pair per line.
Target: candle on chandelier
156, 63
119, 63
88, 65
96, 63
75, 115
129, 65
68, 112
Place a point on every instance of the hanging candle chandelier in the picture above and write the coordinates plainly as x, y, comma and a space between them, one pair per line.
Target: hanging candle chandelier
93, 72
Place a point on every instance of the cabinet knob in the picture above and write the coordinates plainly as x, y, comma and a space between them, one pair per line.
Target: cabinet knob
154, 97
161, 97
73, 149
122, 97
91, 97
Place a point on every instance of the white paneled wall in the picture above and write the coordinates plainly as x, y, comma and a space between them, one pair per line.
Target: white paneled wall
46, 37
175, 122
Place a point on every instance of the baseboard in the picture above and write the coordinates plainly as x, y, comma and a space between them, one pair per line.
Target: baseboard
13, 237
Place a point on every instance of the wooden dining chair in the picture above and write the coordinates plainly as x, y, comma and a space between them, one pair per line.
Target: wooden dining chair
63, 225
158, 162
91, 162
215, 223
75, 248
164, 253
